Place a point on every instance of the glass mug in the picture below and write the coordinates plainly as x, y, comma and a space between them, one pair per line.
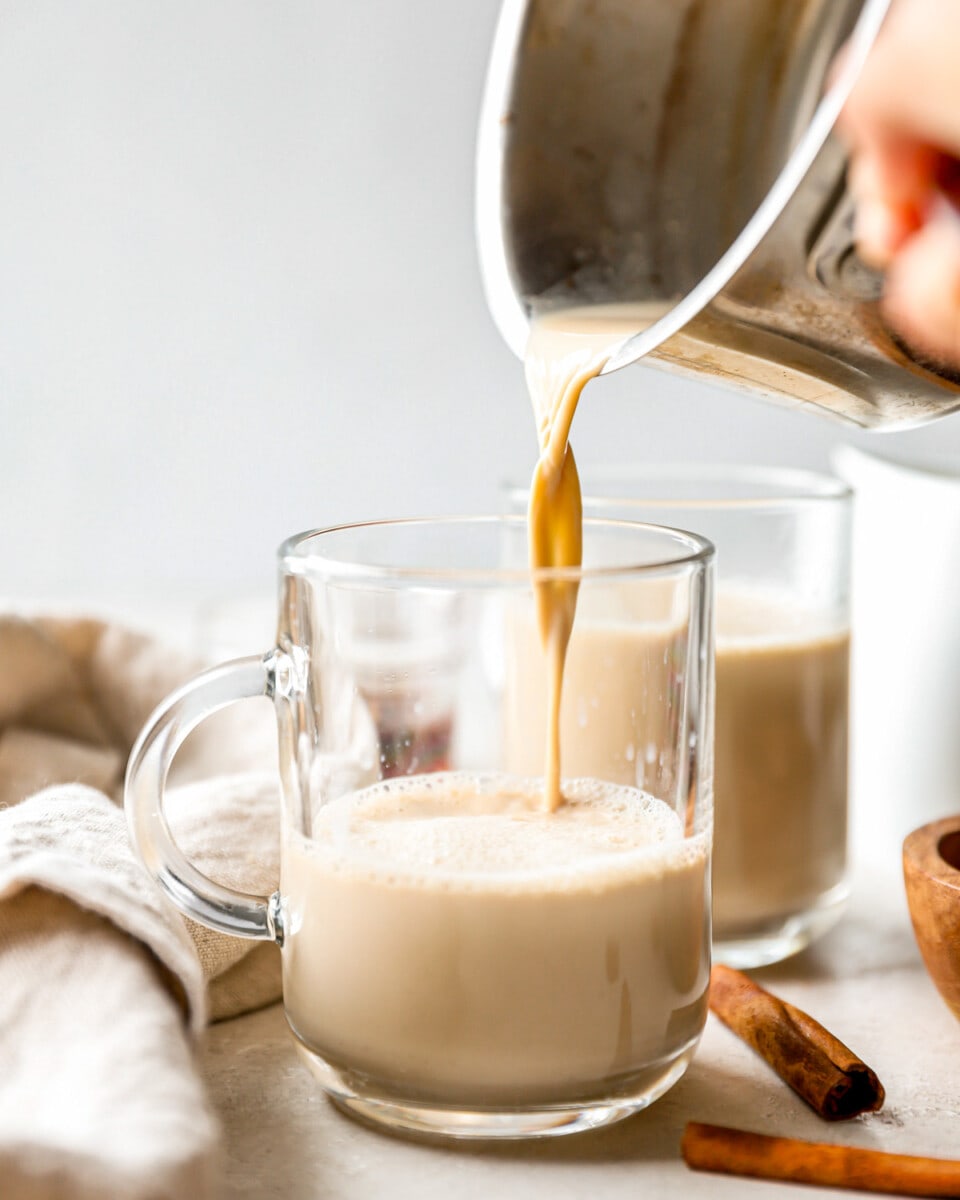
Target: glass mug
455, 959
782, 681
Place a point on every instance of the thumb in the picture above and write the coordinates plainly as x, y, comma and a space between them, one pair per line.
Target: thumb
921, 297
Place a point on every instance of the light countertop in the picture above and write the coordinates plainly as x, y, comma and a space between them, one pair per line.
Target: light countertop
864, 981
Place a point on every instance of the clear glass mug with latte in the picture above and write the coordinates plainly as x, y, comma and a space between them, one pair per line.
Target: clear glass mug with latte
458, 959
782, 679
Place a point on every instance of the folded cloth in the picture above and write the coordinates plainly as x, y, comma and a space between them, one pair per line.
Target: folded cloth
102, 982
74, 694
31, 761
229, 829
99, 984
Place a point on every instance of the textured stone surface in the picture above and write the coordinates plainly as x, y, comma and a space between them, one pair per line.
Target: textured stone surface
864, 981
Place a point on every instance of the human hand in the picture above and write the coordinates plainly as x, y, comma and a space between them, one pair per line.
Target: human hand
902, 124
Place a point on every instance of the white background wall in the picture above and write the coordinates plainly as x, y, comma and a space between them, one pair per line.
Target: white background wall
239, 295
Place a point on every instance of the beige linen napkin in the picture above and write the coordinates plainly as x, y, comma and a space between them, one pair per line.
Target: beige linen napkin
100, 979
98, 976
74, 694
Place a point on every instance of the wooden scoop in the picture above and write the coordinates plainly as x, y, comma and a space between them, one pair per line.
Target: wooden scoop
931, 872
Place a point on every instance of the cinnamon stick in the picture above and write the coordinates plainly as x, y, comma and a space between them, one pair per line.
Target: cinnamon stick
737, 1152
820, 1068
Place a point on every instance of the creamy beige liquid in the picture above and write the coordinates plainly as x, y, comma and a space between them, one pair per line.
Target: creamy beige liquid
781, 713
452, 941
615, 716
780, 781
565, 351
780, 772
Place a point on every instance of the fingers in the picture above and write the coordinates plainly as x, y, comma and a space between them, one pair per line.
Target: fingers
902, 125
901, 119
922, 291
893, 187
909, 88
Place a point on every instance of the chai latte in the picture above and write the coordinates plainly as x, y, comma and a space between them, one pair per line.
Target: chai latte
565, 351
449, 937
780, 766
615, 714
497, 940
781, 693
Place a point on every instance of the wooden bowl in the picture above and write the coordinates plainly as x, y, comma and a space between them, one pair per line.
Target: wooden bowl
931, 872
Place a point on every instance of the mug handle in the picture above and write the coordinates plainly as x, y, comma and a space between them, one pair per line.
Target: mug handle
238, 913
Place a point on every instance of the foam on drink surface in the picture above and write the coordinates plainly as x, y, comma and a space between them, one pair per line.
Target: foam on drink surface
479, 831
760, 619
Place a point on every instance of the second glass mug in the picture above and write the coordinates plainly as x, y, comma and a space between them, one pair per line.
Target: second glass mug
456, 960
783, 640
